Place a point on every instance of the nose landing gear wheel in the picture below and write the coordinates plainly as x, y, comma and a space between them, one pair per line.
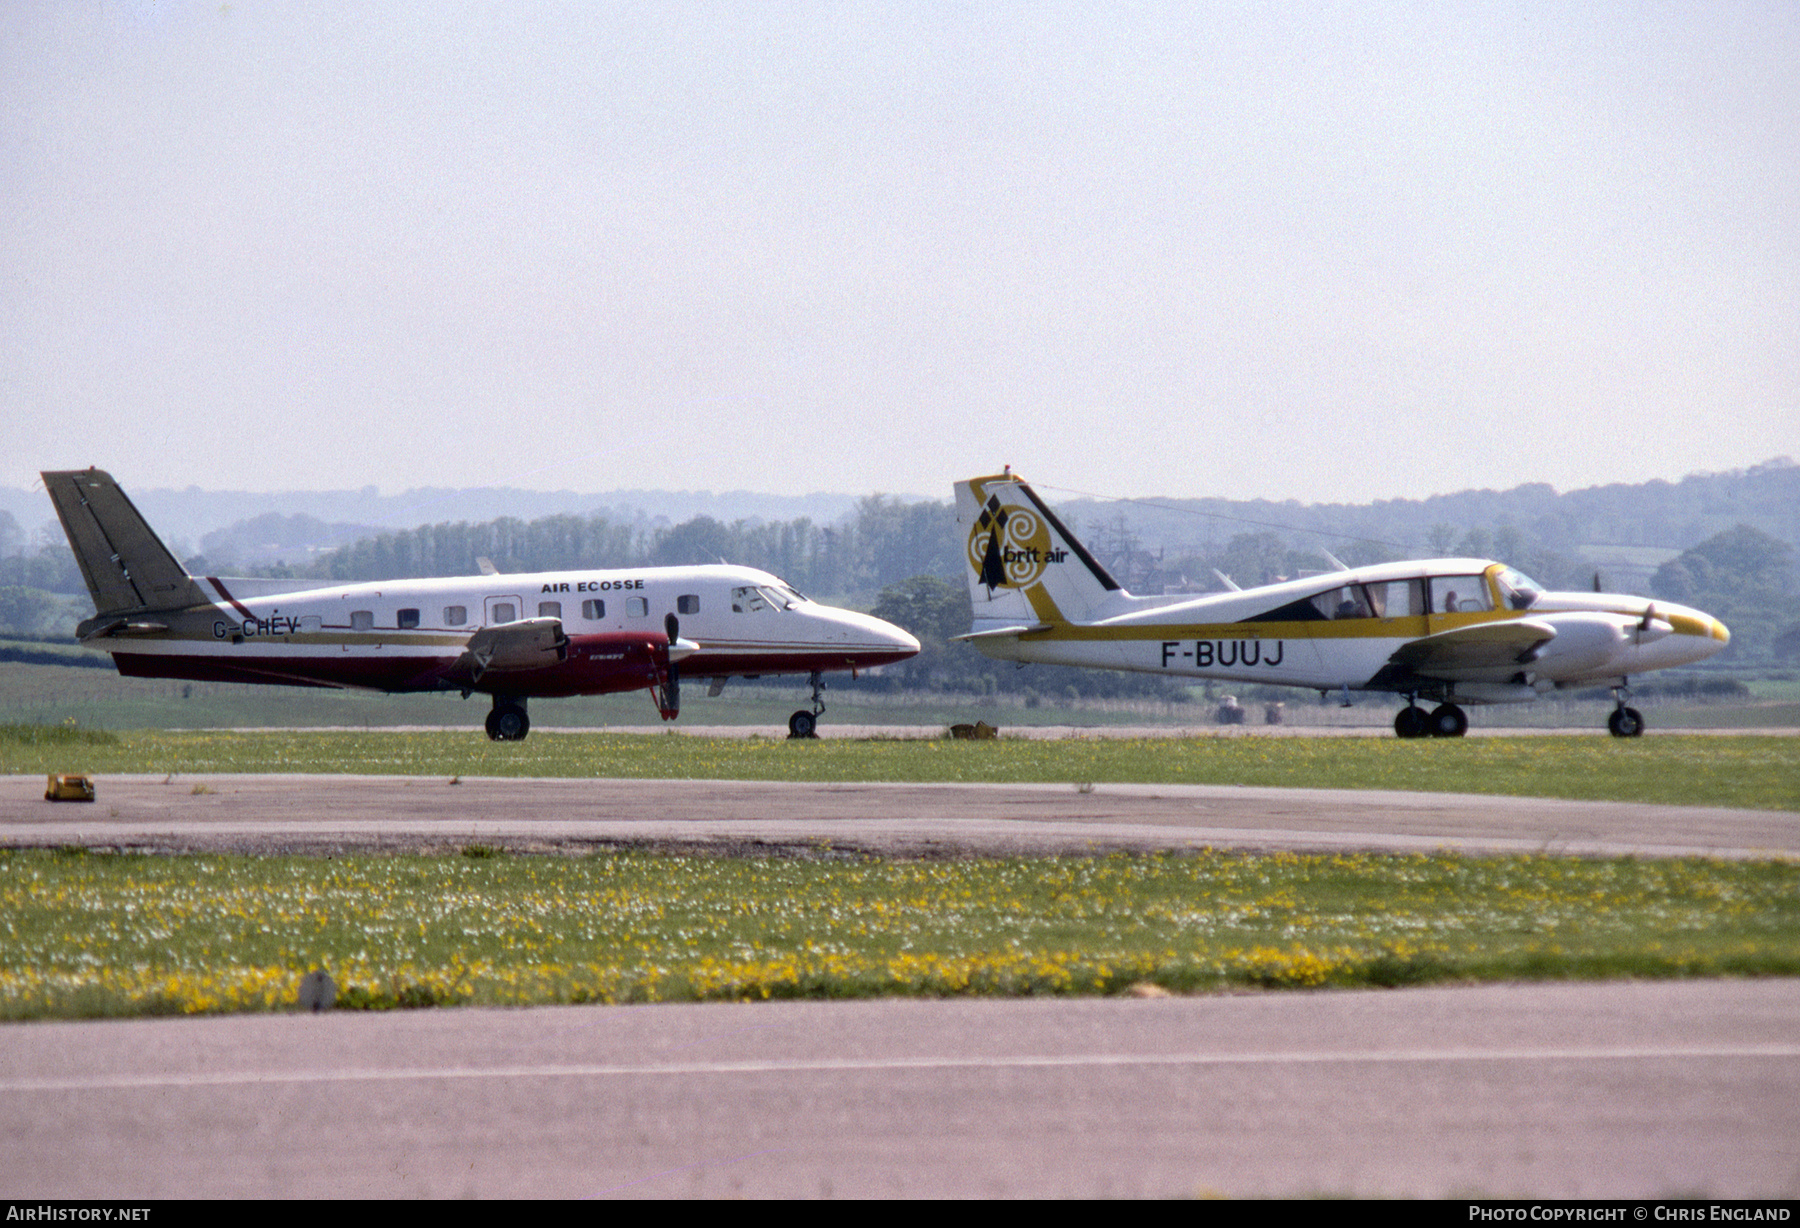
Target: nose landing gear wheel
804, 724
1625, 723
1448, 721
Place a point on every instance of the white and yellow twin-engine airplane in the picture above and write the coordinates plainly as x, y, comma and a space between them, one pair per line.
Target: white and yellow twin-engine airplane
1452, 631
514, 637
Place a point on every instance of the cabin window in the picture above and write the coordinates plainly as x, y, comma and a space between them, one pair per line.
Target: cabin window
1344, 601
1304, 610
406, 619
637, 607
549, 609
1397, 598
687, 603
312, 622
455, 615
362, 620
504, 612
593, 611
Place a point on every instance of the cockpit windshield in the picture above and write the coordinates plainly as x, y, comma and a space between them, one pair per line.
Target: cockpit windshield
754, 597
1517, 589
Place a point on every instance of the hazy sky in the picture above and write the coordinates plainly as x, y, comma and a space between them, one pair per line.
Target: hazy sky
1294, 250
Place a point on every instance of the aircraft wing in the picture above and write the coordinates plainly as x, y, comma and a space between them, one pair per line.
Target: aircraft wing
1485, 646
531, 643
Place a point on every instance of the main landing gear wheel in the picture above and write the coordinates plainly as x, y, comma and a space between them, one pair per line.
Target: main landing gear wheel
1448, 721
508, 722
1625, 722
1412, 722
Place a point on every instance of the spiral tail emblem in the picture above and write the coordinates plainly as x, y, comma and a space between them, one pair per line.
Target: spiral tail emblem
1009, 546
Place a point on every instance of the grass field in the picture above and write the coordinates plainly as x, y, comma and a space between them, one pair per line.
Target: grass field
93, 935
1751, 772
86, 935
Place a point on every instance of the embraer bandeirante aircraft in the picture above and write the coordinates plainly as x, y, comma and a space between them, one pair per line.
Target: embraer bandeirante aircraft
1450, 631
514, 637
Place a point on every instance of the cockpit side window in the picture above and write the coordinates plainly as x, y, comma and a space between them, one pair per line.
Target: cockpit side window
1460, 595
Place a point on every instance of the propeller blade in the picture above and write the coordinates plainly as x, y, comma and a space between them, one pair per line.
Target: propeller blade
672, 689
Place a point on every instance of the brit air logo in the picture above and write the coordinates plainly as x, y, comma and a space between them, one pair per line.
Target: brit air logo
1010, 546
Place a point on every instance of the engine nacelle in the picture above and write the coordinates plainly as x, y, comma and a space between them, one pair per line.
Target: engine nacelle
1585, 642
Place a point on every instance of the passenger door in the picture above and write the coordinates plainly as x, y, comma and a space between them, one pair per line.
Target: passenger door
499, 610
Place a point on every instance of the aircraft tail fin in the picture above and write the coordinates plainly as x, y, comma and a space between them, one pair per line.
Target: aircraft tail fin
125, 564
1023, 564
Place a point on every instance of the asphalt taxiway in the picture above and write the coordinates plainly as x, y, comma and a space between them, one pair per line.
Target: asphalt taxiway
311, 813
1620, 1090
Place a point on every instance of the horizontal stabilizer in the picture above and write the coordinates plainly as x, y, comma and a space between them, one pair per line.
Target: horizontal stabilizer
121, 626
1003, 633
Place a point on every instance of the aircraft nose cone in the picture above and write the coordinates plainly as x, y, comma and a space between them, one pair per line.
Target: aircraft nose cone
897, 638
871, 636
903, 639
1721, 632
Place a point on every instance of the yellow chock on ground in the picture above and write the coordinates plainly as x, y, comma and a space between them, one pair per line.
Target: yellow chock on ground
64, 787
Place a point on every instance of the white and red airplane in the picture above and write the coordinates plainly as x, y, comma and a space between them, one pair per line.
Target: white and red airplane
1451, 631
514, 637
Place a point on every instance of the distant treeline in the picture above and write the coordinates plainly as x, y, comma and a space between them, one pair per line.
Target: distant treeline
885, 541
883, 553
37, 656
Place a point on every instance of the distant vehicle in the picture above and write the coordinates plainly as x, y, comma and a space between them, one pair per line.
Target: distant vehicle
513, 637
1447, 631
